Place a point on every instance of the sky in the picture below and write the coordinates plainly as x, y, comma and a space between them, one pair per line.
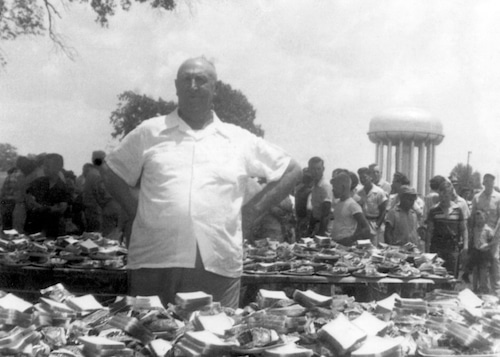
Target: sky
316, 72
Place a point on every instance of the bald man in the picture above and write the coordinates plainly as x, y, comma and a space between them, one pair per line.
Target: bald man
187, 232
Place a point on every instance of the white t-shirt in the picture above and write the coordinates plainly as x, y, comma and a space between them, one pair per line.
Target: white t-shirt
344, 224
192, 186
372, 200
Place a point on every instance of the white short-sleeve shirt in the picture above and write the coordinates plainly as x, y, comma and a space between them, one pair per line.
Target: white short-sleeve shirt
344, 223
192, 185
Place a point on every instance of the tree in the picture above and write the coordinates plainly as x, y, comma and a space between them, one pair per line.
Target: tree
230, 105
39, 17
133, 109
8, 156
467, 178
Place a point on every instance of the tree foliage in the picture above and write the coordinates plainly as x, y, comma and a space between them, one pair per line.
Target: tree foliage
133, 109
467, 178
8, 156
39, 17
230, 105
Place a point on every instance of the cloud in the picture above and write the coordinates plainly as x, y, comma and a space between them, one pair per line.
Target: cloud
316, 72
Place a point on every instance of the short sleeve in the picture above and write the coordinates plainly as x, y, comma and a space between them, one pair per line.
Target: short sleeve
328, 192
128, 158
381, 197
390, 217
354, 208
264, 159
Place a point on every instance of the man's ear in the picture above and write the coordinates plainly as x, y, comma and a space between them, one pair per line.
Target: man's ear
176, 82
216, 87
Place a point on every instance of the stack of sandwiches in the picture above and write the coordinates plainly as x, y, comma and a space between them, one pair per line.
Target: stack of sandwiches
203, 343
193, 300
310, 298
217, 324
341, 335
288, 350
94, 346
281, 323
268, 298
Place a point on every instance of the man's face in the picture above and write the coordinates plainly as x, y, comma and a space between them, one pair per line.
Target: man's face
316, 171
51, 168
337, 188
365, 178
195, 84
488, 184
445, 195
395, 186
375, 174
406, 201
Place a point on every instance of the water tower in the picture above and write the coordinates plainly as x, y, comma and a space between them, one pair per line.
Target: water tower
406, 140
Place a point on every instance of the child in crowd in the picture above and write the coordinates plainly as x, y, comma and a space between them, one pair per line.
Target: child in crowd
480, 255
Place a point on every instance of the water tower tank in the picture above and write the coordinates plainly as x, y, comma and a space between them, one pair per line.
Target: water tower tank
398, 134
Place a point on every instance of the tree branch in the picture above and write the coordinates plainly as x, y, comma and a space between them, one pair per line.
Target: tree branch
58, 41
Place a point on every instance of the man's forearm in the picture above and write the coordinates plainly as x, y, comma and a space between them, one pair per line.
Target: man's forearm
275, 192
119, 190
465, 235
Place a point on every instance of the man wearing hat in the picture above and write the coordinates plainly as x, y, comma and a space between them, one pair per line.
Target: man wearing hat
398, 180
401, 222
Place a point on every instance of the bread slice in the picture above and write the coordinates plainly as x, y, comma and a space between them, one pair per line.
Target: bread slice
88, 246
370, 324
159, 347
310, 298
387, 304
97, 343
376, 346
288, 350
267, 298
193, 300
84, 303
217, 324
12, 302
56, 306
341, 335
206, 341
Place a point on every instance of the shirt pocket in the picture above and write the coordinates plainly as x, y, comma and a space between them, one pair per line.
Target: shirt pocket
222, 162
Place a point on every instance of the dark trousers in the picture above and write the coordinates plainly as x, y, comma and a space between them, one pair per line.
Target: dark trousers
166, 282
7, 208
450, 256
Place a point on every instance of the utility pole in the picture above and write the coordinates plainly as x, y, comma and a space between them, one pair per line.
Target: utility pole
469, 171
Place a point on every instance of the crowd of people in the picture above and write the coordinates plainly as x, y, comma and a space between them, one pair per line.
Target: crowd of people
40, 196
186, 189
462, 231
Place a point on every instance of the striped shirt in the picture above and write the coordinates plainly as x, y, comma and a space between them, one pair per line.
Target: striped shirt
447, 226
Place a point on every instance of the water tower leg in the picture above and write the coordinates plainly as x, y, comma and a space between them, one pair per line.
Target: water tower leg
421, 169
389, 160
412, 163
428, 166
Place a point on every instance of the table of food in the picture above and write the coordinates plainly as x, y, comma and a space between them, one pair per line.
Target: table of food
319, 260
63, 324
85, 263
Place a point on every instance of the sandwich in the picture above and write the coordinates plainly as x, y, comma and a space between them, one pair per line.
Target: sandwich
341, 335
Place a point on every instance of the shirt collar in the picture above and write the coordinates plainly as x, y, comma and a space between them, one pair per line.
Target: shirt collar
174, 121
